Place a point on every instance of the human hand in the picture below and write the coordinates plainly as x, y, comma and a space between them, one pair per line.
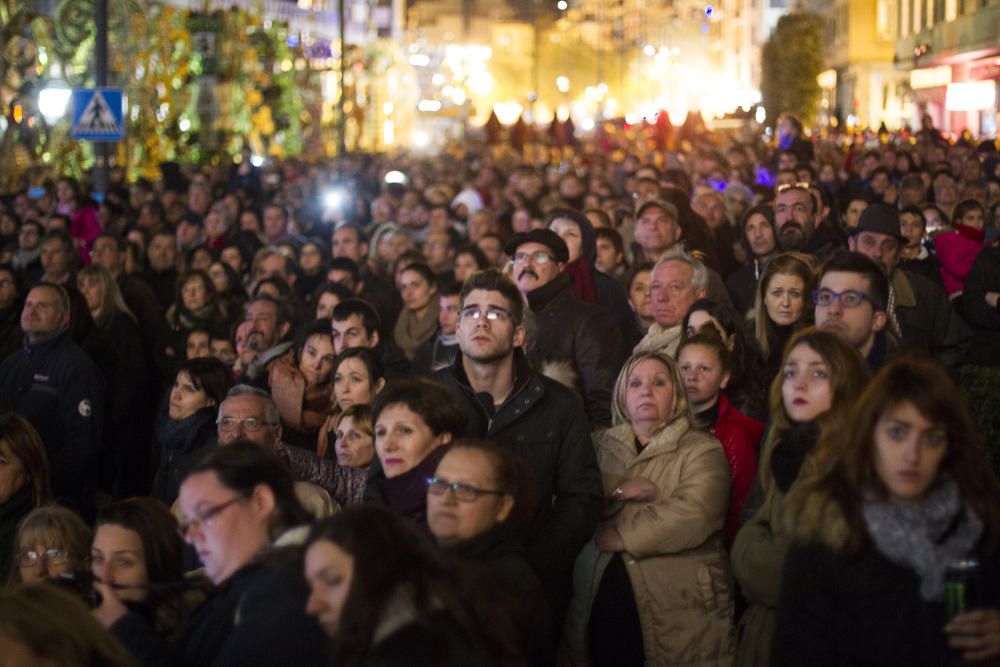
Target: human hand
111, 608
608, 538
992, 298
639, 489
976, 634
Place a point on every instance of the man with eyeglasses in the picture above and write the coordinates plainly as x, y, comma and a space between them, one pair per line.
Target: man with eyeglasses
800, 227
569, 335
536, 418
851, 300
918, 309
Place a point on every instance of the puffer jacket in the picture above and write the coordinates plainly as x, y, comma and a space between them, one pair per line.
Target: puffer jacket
740, 437
673, 547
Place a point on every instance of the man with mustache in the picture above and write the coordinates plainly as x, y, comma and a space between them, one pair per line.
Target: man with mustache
799, 225
269, 325
569, 333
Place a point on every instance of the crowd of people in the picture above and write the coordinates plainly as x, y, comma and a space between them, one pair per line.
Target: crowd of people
612, 404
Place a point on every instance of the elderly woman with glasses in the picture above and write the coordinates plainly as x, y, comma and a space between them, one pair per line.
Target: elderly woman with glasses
51, 541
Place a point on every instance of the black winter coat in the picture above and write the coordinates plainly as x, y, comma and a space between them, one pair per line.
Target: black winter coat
543, 423
862, 610
582, 334
55, 386
181, 445
436, 640
11, 336
984, 277
928, 322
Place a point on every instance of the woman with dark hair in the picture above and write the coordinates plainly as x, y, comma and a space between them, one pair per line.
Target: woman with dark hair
196, 305
387, 596
782, 305
187, 424
418, 322
302, 389
747, 385
24, 479
957, 250
906, 494
228, 286
469, 259
476, 504
313, 258
84, 225
415, 421
760, 243
198, 258
821, 376
238, 506
326, 297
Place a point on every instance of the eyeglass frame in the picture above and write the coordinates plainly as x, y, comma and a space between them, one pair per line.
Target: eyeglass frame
837, 296
536, 257
456, 487
44, 557
204, 518
247, 427
474, 314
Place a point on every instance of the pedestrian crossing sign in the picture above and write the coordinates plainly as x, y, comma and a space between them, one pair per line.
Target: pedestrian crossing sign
97, 114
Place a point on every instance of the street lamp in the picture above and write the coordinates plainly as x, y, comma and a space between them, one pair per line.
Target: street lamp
53, 100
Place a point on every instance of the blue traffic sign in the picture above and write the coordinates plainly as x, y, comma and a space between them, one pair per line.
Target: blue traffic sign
98, 114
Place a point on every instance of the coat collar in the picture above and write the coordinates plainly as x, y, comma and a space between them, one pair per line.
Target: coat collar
905, 296
665, 441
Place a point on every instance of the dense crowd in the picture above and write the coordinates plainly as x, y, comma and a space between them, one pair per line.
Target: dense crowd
622, 402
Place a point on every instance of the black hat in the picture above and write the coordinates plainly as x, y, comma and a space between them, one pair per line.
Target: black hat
880, 219
546, 237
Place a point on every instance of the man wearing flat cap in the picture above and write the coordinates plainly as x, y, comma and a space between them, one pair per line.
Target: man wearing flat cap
920, 313
569, 335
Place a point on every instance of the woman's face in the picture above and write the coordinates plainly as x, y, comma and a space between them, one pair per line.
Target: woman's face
354, 447
569, 232
316, 362
699, 319
704, 377
454, 520
465, 266
201, 260
329, 572
908, 452
325, 305
198, 345
416, 292
639, 296
220, 279
45, 559
352, 384
784, 299
91, 290
233, 258
194, 294
117, 558
973, 218
806, 391
215, 224
403, 439
13, 476
649, 397
185, 399
310, 259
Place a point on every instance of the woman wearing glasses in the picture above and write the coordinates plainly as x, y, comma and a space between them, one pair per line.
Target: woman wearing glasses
473, 504
50, 541
657, 560
415, 421
187, 425
237, 505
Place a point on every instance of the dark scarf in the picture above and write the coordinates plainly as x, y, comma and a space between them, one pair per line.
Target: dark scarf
497, 542
407, 493
181, 437
790, 453
540, 297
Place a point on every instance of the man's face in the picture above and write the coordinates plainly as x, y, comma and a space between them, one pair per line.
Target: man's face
712, 208
8, 288
447, 315
854, 210
351, 332
162, 253
480, 222
198, 199
275, 224
856, 326
28, 237
345, 244
187, 234
656, 231
264, 332
672, 292
760, 235
795, 217
492, 248
105, 252
272, 267
55, 258
482, 340
880, 248
608, 258
945, 190
437, 251
912, 227
534, 266
43, 313
239, 408
198, 345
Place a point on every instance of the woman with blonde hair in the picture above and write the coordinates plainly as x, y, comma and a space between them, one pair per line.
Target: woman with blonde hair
657, 560
908, 494
782, 305
820, 378
51, 541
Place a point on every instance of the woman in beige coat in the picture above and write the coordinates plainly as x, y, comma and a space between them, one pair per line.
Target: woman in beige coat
654, 587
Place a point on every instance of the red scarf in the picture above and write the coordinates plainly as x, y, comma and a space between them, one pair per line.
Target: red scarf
583, 282
971, 233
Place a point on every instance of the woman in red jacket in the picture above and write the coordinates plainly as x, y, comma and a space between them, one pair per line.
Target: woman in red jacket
705, 363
